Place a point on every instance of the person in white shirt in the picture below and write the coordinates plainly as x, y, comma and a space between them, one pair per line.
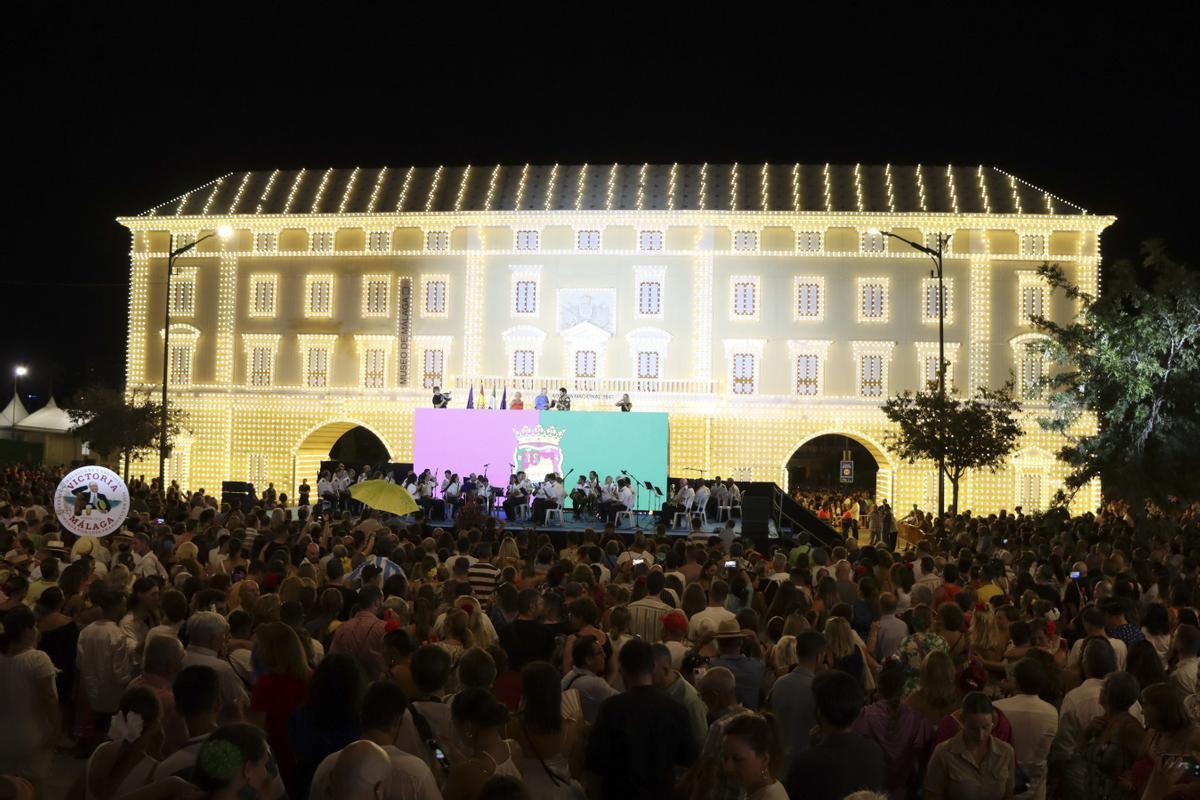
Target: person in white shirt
1093, 627
452, 493
638, 550
681, 501
408, 777
104, 660
708, 620
550, 494
325, 488
1080, 707
516, 496
145, 562
1187, 651
625, 496
1034, 724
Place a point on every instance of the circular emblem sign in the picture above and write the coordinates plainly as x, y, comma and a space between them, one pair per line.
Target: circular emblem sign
92, 501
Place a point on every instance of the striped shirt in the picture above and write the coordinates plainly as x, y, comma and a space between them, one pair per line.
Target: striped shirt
483, 577
645, 618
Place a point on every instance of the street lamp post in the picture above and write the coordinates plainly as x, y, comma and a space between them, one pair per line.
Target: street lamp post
224, 231
935, 253
20, 371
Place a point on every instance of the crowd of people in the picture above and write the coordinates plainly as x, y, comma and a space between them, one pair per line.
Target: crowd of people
207, 651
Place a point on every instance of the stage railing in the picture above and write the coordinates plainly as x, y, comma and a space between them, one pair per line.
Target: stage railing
584, 387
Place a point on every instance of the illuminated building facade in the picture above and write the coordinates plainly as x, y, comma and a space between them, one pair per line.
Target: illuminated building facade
753, 302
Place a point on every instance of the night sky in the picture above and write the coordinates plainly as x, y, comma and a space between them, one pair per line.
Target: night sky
107, 117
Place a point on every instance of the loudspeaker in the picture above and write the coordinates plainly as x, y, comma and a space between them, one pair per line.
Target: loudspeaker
756, 510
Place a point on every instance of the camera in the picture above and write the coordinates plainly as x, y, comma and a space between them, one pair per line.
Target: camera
731, 564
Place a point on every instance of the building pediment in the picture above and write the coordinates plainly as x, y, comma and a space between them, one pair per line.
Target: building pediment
586, 333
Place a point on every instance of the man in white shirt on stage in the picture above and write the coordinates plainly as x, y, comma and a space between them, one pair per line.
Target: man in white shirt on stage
516, 495
625, 498
681, 501
549, 495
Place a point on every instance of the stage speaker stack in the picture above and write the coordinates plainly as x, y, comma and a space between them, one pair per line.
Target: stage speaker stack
756, 511
235, 493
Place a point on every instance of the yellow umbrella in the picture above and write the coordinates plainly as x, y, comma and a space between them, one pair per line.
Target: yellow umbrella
384, 496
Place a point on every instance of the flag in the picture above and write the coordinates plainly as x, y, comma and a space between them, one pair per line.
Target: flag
471, 396
482, 397
504, 398
492, 405
388, 567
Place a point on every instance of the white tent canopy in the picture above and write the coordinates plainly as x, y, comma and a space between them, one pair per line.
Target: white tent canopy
47, 419
14, 408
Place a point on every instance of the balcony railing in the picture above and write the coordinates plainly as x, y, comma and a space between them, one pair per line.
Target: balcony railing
584, 388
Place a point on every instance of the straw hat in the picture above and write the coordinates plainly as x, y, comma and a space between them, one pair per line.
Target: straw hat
54, 546
729, 629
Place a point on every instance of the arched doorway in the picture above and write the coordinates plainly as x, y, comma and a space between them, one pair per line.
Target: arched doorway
816, 464
359, 446
349, 441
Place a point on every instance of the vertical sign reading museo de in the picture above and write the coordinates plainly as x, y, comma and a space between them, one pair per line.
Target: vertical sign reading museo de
91, 501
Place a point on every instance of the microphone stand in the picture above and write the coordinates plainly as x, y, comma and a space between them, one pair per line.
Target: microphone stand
490, 499
637, 520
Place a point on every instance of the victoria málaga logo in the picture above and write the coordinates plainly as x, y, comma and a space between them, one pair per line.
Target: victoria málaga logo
539, 451
91, 501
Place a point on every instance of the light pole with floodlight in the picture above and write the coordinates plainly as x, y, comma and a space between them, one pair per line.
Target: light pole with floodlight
224, 231
19, 371
935, 253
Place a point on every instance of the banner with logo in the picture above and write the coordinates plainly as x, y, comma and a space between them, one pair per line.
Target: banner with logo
91, 501
541, 442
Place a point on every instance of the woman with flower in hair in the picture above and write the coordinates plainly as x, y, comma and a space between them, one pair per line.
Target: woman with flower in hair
482, 635
125, 762
234, 761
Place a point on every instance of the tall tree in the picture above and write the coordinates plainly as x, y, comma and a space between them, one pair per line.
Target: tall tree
977, 432
114, 425
1131, 359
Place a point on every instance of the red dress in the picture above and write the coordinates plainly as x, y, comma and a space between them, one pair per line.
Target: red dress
276, 697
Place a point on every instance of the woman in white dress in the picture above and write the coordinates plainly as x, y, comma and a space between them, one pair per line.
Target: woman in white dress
126, 762
28, 699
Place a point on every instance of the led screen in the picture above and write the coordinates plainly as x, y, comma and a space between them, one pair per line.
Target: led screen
539, 442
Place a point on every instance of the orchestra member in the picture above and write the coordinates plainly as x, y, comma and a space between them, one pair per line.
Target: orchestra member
580, 497
516, 495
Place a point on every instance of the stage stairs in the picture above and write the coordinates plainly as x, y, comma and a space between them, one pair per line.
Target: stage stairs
790, 515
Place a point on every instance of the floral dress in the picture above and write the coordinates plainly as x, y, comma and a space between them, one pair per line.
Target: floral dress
911, 653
